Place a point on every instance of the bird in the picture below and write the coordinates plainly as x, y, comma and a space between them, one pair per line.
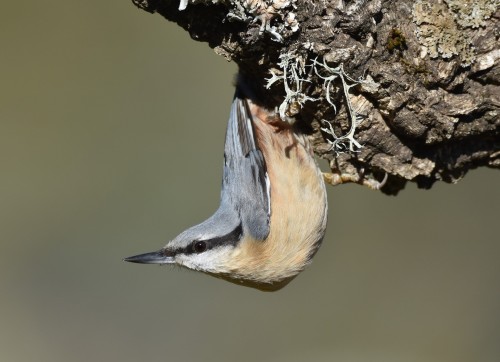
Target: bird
273, 207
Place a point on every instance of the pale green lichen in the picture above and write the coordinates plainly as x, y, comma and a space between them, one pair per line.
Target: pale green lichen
293, 75
472, 13
444, 28
342, 142
263, 11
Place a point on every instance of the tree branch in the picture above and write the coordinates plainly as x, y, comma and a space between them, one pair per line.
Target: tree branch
418, 81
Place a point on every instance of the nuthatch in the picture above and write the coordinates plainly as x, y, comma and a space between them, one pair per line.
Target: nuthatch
273, 209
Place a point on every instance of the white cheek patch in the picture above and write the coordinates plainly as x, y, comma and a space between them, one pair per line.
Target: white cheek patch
212, 261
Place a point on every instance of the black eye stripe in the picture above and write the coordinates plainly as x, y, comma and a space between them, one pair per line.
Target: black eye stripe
231, 238
199, 246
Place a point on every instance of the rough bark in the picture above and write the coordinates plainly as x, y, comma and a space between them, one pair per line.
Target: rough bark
429, 108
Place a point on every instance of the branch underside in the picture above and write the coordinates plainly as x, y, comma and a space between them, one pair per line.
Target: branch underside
430, 110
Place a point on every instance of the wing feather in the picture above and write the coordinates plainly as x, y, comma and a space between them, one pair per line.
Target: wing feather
245, 181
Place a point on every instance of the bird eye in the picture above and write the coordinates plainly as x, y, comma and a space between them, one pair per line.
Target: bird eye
200, 247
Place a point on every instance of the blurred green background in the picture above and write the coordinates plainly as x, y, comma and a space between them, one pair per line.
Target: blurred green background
98, 101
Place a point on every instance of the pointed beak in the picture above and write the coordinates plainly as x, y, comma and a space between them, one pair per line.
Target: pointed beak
156, 257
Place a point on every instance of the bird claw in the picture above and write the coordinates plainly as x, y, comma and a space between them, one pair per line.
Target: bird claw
342, 178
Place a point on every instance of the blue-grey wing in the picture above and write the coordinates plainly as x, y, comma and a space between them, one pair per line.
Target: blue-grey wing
246, 185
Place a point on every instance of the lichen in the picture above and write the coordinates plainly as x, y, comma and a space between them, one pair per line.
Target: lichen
472, 13
444, 28
293, 75
343, 142
264, 11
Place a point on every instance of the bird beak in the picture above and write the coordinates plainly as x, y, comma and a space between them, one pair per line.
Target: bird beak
155, 257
